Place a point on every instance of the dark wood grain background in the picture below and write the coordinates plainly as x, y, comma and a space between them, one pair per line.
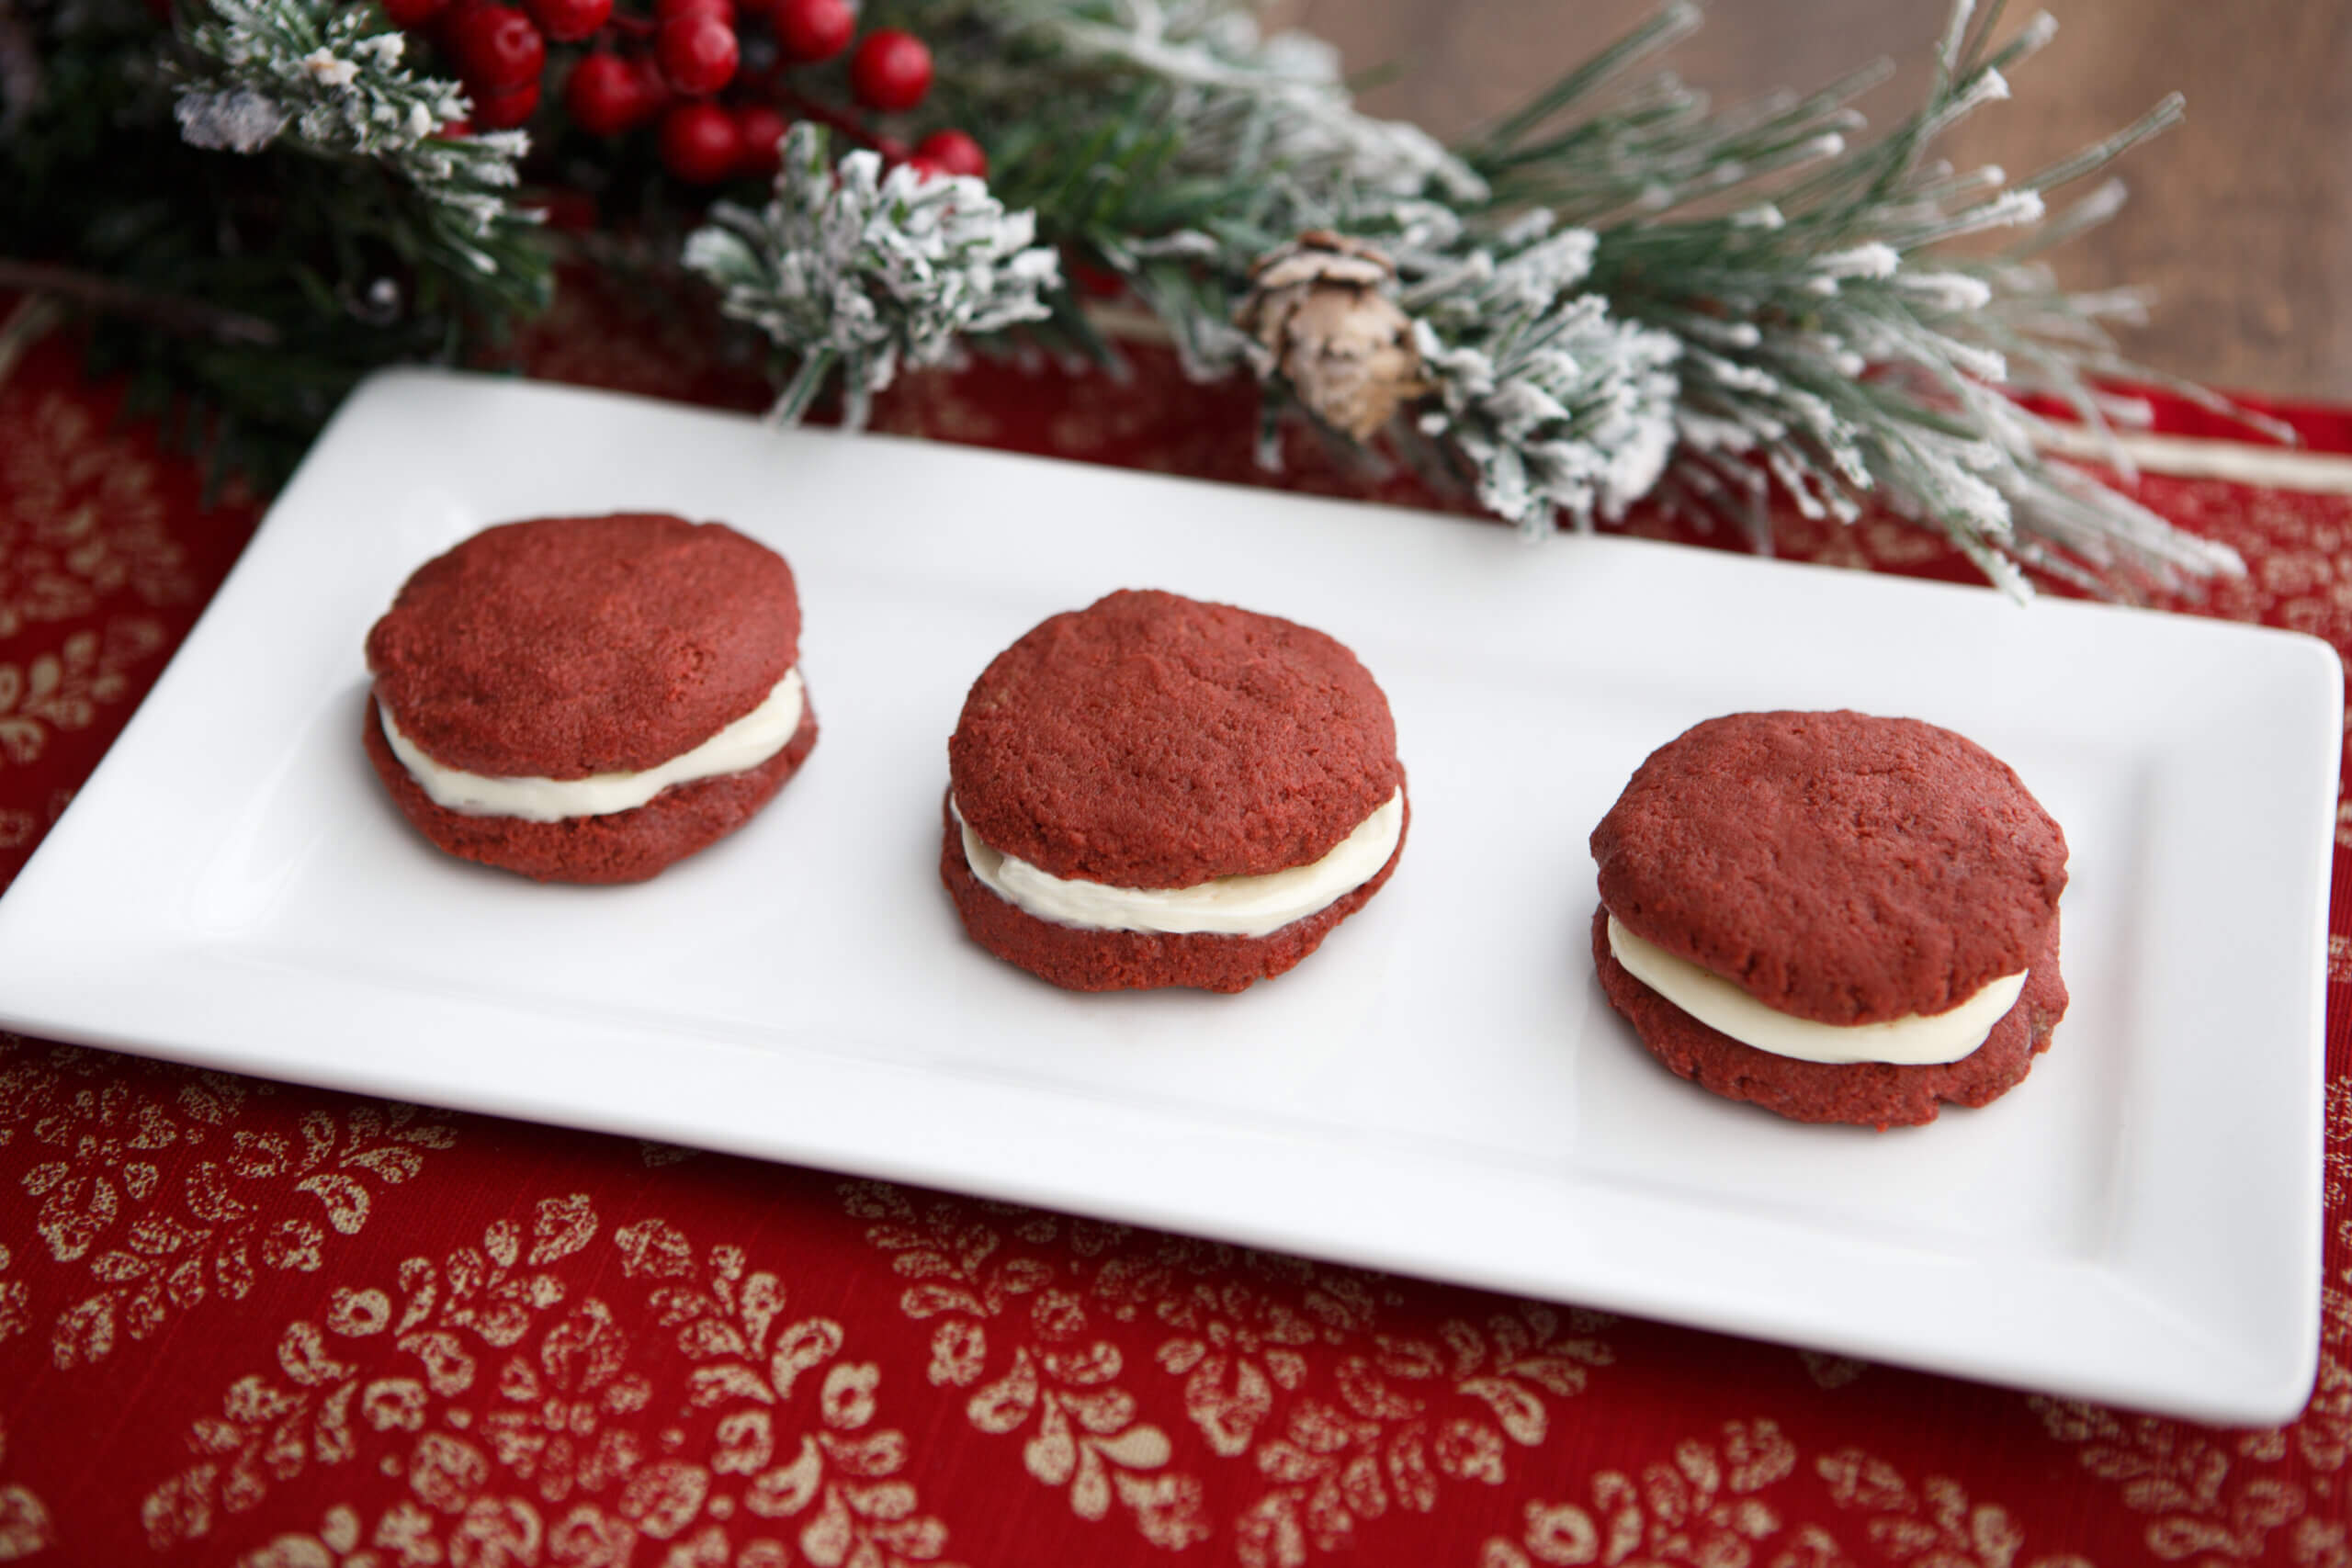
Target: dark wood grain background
2241, 219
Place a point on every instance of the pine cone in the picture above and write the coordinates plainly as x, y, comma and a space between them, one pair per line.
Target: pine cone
1316, 308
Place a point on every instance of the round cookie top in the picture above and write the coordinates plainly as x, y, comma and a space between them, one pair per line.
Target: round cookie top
1835, 866
564, 647
1150, 740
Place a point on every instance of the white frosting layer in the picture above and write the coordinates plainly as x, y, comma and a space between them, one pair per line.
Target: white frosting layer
746, 743
1233, 905
1915, 1040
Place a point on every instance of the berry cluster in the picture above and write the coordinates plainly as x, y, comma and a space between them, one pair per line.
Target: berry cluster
669, 69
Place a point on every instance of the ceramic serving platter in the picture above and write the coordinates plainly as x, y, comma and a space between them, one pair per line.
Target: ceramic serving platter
1441, 1090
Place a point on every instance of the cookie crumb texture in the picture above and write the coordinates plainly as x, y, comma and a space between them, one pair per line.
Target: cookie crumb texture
1836, 866
1866, 1094
621, 846
1080, 960
1151, 740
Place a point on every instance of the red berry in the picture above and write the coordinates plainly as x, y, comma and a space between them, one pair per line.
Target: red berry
567, 21
890, 71
455, 128
814, 29
412, 14
954, 153
926, 170
497, 49
759, 129
608, 96
504, 110
698, 52
665, 10
700, 144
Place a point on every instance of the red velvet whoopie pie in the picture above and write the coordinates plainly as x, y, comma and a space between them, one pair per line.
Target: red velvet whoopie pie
1838, 870
1155, 790
589, 699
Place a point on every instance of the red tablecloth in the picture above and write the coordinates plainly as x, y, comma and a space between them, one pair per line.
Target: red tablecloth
242, 1322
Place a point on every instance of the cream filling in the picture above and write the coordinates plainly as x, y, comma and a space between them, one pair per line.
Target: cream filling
1231, 905
746, 743
1919, 1040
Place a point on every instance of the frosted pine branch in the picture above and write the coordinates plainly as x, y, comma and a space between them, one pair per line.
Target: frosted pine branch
854, 269
328, 79
1830, 342
1560, 408
1622, 286
1279, 101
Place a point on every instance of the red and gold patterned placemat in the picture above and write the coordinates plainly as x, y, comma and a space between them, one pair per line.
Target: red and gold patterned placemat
241, 1322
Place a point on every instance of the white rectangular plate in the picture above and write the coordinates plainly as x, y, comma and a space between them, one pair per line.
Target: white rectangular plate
1441, 1090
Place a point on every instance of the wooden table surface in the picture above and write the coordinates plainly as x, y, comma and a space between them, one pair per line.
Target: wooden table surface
2241, 219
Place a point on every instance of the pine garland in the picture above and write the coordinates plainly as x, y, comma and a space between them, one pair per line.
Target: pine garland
1751, 287
1618, 292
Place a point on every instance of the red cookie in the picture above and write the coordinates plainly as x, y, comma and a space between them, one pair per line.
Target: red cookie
1867, 1094
1843, 869
1151, 741
564, 647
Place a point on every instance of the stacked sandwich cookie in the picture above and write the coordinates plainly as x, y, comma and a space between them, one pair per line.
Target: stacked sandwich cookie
1837, 917
589, 699
1155, 790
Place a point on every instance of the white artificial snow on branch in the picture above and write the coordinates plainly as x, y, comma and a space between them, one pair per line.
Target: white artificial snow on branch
1560, 408
1289, 86
855, 269
328, 79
